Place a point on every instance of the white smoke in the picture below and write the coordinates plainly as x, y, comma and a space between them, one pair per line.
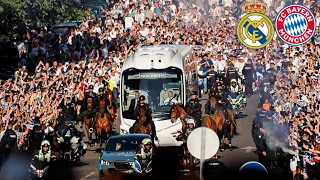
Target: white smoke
277, 137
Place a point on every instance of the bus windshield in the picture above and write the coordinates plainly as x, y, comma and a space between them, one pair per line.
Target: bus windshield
162, 88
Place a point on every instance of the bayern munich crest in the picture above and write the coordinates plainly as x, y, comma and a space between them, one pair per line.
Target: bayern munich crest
255, 30
295, 25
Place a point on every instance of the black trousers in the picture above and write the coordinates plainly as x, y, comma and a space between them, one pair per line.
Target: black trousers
249, 86
263, 160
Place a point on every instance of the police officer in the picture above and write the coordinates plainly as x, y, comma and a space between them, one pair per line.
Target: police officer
147, 107
213, 169
232, 73
221, 96
8, 142
259, 139
257, 122
193, 107
250, 77
101, 93
272, 72
89, 94
212, 80
36, 134
265, 87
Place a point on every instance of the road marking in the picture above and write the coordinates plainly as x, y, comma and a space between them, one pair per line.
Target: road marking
87, 176
249, 148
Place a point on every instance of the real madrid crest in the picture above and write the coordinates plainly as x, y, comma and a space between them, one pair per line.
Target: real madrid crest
255, 30
295, 24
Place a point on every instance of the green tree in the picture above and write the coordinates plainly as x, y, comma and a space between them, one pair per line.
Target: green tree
12, 13
45, 12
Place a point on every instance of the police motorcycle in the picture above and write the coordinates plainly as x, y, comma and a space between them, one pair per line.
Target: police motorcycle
71, 147
38, 170
136, 166
143, 156
236, 100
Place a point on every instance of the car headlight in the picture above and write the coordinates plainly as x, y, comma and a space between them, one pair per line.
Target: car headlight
124, 131
107, 163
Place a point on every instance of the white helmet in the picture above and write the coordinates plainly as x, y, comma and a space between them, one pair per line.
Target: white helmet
45, 143
146, 141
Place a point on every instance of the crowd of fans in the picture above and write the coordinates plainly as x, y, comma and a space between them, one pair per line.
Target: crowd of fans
57, 67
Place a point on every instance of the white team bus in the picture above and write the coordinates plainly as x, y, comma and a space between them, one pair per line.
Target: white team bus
153, 71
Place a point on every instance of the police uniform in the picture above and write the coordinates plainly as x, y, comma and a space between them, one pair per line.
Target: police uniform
213, 168
142, 156
193, 107
250, 77
89, 95
257, 122
36, 134
8, 143
149, 116
212, 79
221, 95
272, 74
260, 139
232, 74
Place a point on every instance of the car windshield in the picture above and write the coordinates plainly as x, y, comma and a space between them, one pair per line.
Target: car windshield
161, 88
123, 144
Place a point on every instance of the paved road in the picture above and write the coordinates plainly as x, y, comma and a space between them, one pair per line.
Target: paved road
242, 153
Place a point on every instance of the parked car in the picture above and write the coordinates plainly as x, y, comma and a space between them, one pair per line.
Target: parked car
119, 153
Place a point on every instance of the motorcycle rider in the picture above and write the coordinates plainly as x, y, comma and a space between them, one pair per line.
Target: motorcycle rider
44, 154
147, 107
8, 143
144, 152
75, 139
193, 107
70, 131
235, 90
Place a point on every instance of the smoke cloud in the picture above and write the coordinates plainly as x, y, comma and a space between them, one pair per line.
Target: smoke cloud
277, 137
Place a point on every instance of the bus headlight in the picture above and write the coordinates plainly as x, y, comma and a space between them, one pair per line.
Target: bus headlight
124, 131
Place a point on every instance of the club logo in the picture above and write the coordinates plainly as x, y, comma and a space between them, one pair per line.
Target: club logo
295, 25
255, 30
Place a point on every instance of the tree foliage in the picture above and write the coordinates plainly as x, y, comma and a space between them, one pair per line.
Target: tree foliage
47, 12
12, 12
38, 12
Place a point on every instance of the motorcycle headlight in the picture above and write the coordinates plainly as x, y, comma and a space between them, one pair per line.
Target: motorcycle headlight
107, 163
39, 173
124, 131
